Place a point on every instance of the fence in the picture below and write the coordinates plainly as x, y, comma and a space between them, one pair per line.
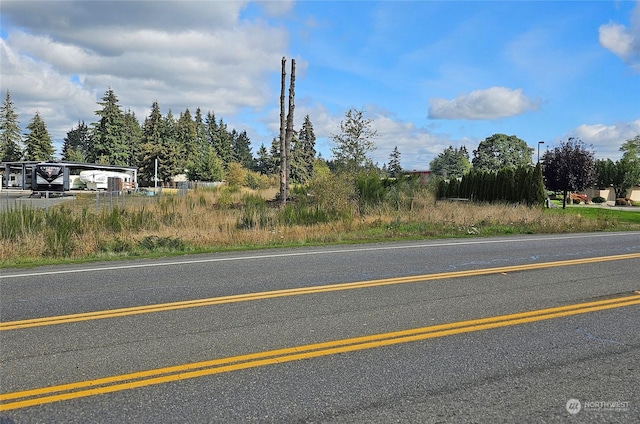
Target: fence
10, 199
101, 199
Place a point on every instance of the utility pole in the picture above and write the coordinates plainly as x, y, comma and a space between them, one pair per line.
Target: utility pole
539, 143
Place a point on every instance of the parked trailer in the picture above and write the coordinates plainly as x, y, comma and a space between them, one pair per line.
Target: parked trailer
99, 179
50, 177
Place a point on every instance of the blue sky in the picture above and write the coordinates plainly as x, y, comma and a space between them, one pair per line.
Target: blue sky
428, 74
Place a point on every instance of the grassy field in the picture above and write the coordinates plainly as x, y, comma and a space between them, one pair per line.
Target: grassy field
207, 220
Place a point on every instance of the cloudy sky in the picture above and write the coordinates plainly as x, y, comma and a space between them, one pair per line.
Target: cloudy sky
428, 74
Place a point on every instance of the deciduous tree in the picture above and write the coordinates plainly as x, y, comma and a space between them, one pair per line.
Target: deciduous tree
354, 141
569, 167
501, 151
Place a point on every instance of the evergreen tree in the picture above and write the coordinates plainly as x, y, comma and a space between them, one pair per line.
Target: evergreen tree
133, 137
171, 161
207, 167
241, 145
10, 137
451, 163
201, 132
298, 171
536, 187
395, 170
303, 152
76, 143
268, 161
109, 138
186, 135
39, 146
151, 146
221, 142
211, 129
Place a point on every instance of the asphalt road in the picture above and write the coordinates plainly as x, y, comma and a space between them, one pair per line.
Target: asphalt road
433, 331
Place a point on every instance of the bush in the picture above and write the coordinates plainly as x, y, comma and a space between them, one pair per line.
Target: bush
598, 199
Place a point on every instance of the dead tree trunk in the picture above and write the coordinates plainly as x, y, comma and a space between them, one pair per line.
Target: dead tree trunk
289, 130
286, 130
283, 152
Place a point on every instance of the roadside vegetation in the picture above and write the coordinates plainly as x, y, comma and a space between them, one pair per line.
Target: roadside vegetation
348, 199
332, 208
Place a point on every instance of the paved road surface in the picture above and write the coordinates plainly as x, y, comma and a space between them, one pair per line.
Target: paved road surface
476, 330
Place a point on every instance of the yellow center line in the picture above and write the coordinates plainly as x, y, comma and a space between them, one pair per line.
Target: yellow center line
112, 313
115, 383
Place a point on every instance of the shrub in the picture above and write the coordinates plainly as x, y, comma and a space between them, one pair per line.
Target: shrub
257, 181
598, 199
236, 174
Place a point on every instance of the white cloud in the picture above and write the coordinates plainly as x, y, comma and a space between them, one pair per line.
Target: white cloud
617, 39
277, 8
623, 41
492, 103
417, 145
607, 139
61, 60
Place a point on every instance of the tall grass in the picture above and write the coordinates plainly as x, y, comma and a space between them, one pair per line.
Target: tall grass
330, 209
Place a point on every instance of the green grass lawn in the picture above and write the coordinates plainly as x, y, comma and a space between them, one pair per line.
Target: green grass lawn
601, 213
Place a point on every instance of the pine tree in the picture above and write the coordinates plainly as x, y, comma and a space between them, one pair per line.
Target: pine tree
395, 170
303, 152
241, 145
171, 160
39, 146
187, 135
207, 167
265, 164
109, 139
201, 132
151, 146
223, 144
76, 143
10, 138
133, 137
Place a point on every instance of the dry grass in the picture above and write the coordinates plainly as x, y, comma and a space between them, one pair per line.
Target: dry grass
205, 220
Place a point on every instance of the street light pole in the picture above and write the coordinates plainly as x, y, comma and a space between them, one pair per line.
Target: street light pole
539, 143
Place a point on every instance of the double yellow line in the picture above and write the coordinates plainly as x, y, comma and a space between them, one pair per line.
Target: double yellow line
113, 313
115, 383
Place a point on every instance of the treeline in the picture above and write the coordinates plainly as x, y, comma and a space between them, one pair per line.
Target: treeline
512, 185
201, 146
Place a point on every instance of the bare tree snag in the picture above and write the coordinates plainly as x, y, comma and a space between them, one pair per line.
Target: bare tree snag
289, 130
283, 153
